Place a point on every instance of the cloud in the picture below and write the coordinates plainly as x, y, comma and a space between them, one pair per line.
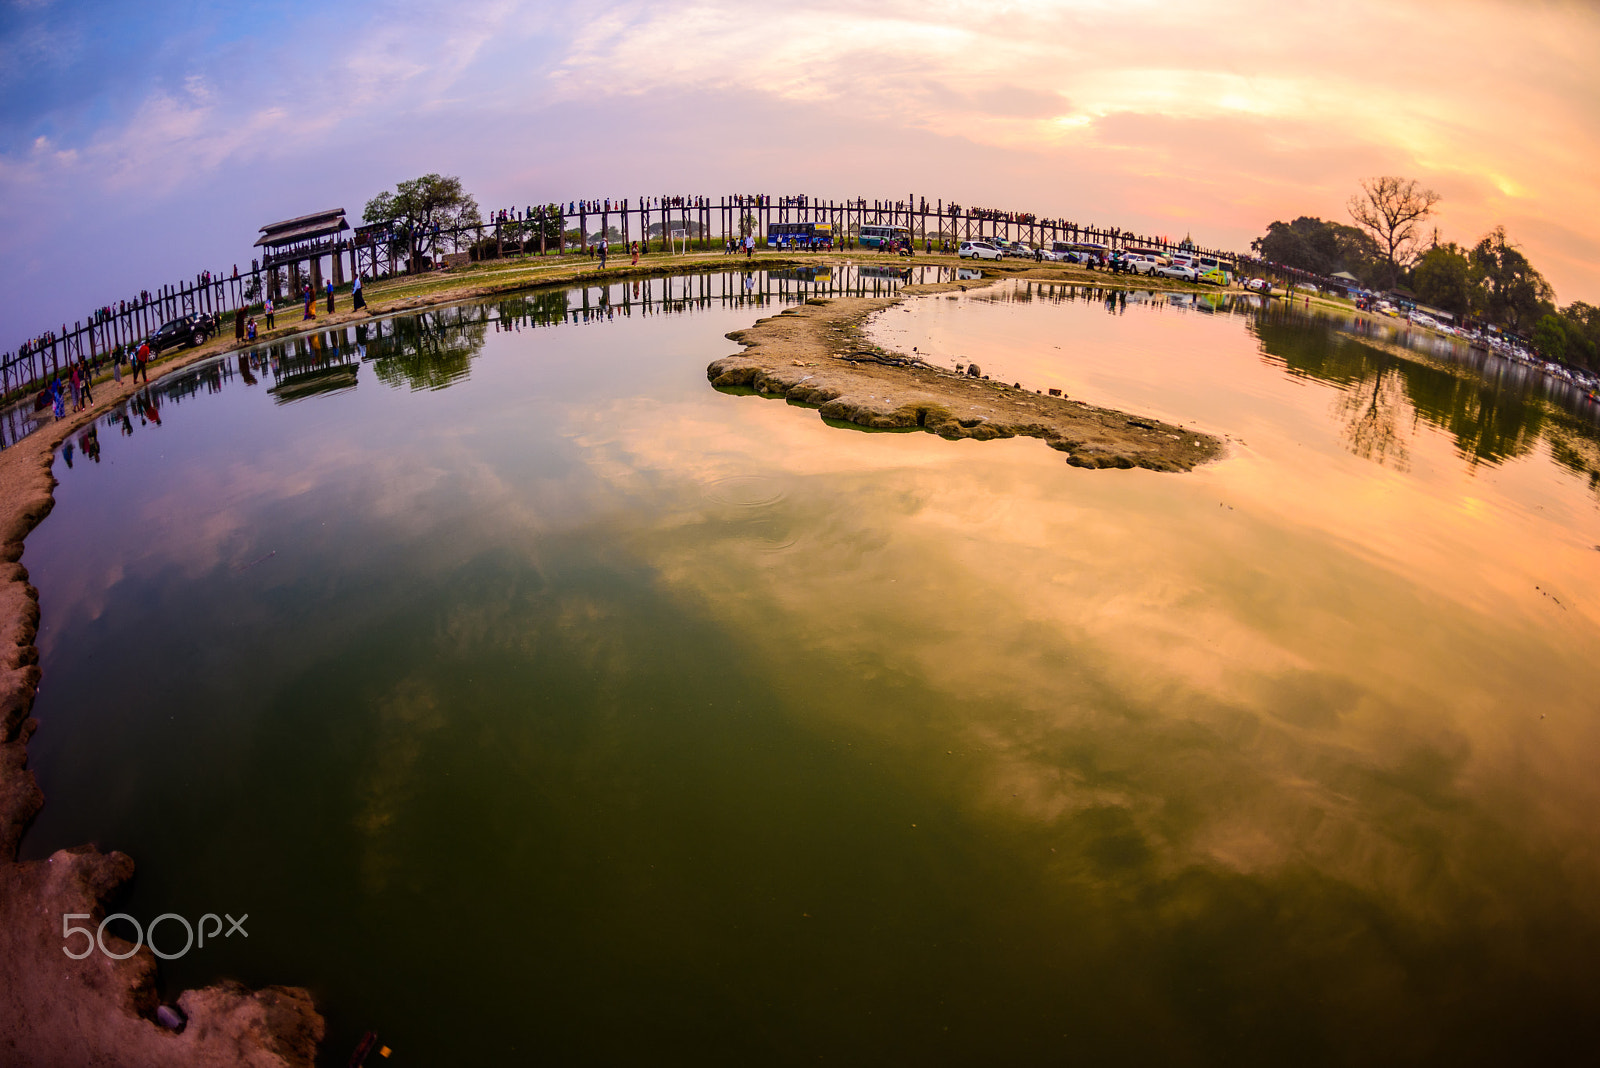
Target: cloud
1217, 122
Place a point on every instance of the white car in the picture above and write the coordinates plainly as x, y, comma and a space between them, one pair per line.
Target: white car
1141, 262
978, 250
1177, 270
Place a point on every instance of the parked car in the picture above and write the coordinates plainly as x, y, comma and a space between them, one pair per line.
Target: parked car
978, 250
1140, 262
1177, 270
184, 330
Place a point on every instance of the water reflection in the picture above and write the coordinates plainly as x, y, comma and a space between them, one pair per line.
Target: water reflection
788, 743
1494, 409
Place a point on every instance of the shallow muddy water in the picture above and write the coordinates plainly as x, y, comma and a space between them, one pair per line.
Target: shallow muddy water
540, 703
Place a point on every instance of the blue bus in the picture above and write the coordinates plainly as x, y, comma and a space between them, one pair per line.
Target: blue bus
800, 235
875, 236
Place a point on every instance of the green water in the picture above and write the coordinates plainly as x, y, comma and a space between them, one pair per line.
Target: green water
541, 704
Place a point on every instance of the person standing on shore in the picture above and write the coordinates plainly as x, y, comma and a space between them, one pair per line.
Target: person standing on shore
329, 284
72, 378
358, 302
311, 303
636, 253
84, 377
268, 311
141, 362
604, 245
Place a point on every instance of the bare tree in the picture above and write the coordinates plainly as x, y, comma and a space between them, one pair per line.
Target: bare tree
1389, 208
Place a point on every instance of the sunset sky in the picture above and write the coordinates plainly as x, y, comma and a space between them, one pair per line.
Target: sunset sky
141, 143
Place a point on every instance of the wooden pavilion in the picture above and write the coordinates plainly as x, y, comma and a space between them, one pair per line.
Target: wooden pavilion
307, 238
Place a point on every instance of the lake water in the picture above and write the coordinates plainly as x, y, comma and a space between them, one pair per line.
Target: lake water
540, 703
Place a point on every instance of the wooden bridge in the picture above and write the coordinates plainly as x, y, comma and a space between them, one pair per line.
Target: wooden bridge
295, 249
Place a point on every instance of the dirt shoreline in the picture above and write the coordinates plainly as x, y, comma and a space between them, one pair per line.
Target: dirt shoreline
97, 1011
814, 354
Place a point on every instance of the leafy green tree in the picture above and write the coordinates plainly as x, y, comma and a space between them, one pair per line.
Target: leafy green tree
1390, 208
548, 221
1550, 338
1513, 294
422, 210
1304, 244
1445, 279
1581, 323
1319, 246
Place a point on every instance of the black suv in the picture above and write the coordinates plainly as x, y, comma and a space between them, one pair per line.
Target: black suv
184, 330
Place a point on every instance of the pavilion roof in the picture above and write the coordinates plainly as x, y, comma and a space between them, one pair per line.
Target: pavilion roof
304, 228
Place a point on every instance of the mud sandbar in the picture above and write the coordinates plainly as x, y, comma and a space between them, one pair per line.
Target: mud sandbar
814, 354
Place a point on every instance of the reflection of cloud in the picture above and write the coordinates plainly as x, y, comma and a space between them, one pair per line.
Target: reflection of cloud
1297, 680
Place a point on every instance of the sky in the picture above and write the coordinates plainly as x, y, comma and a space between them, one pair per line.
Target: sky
142, 143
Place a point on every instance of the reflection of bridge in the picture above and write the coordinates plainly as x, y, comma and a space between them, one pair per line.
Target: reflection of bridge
303, 245
418, 343
1492, 414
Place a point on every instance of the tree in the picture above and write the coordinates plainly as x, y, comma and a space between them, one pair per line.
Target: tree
548, 224
1550, 338
1389, 208
1445, 279
1513, 294
1318, 246
1581, 323
421, 210
1304, 244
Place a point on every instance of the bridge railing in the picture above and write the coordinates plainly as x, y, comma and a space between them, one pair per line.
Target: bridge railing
524, 232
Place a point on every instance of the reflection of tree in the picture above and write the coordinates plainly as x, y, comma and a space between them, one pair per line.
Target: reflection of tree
1575, 445
1489, 421
1372, 412
430, 350
540, 308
